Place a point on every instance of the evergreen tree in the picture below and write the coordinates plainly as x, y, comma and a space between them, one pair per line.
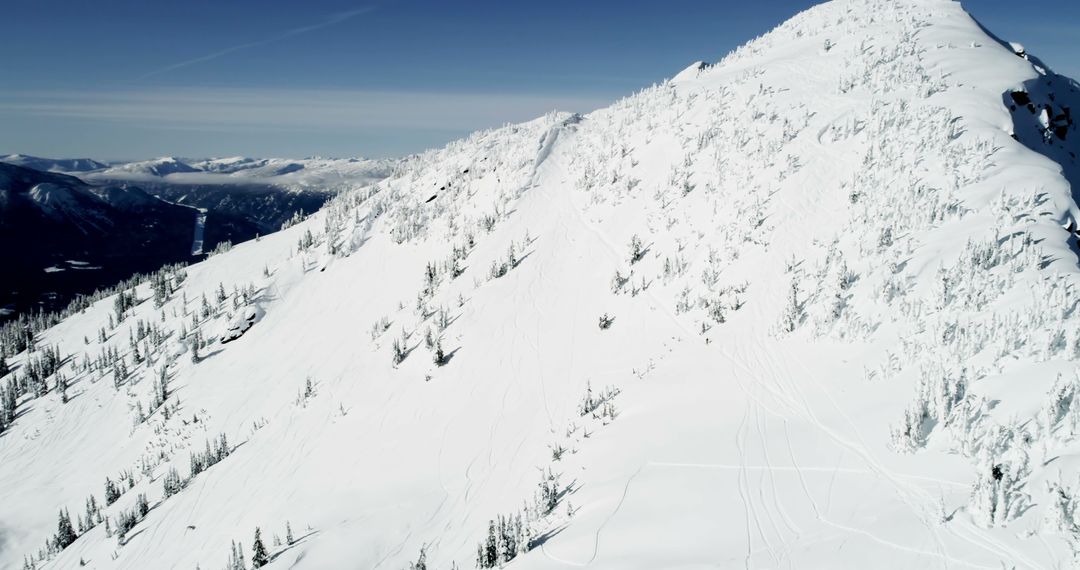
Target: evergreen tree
61, 386
93, 512
125, 521
288, 534
237, 561
793, 312
488, 551
65, 533
195, 347
259, 557
636, 249
159, 284
421, 561
440, 357
161, 389
8, 404
142, 505
399, 347
172, 483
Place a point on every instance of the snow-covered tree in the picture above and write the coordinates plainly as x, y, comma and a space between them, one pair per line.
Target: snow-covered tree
259, 556
793, 310
399, 349
172, 483
112, 492
605, 321
142, 505
421, 560
637, 250
65, 533
236, 557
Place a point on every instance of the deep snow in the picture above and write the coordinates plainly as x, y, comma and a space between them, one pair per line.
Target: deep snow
837, 232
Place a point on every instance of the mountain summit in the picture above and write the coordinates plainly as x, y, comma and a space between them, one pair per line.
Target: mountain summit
814, 306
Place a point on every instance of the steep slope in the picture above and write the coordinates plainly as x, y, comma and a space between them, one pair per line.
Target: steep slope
811, 306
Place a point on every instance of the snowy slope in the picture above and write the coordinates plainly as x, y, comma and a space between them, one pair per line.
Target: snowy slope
847, 338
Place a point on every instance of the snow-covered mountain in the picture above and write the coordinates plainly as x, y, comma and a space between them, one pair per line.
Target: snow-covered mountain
318, 174
163, 166
63, 236
234, 200
265, 192
812, 306
53, 164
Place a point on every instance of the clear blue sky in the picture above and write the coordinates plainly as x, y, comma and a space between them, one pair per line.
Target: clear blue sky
119, 79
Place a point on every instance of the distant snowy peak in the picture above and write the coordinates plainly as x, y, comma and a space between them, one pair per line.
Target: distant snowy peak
327, 175
313, 174
59, 195
54, 164
31, 194
19, 179
156, 167
253, 166
229, 164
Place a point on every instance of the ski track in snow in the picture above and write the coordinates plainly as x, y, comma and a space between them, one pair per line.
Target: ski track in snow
793, 399
785, 394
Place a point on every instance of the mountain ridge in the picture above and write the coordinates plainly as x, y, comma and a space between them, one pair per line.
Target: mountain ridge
812, 305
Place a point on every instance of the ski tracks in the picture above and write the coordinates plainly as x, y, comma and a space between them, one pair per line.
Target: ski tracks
764, 510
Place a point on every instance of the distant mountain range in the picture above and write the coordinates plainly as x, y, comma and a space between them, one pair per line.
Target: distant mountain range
81, 224
54, 164
69, 236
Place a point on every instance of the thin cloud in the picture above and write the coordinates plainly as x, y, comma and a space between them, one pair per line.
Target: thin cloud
331, 21
247, 109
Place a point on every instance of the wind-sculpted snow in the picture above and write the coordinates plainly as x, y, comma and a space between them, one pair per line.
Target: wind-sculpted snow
811, 306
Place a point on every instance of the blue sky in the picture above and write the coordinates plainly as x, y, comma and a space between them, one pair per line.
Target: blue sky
118, 79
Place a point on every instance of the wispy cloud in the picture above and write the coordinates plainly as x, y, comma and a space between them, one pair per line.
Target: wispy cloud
253, 109
332, 20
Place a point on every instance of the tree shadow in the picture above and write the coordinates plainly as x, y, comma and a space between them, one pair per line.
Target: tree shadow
447, 357
410, 349
521, 259
210, 354
287, 547
539, 541
641, 254
128, 538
